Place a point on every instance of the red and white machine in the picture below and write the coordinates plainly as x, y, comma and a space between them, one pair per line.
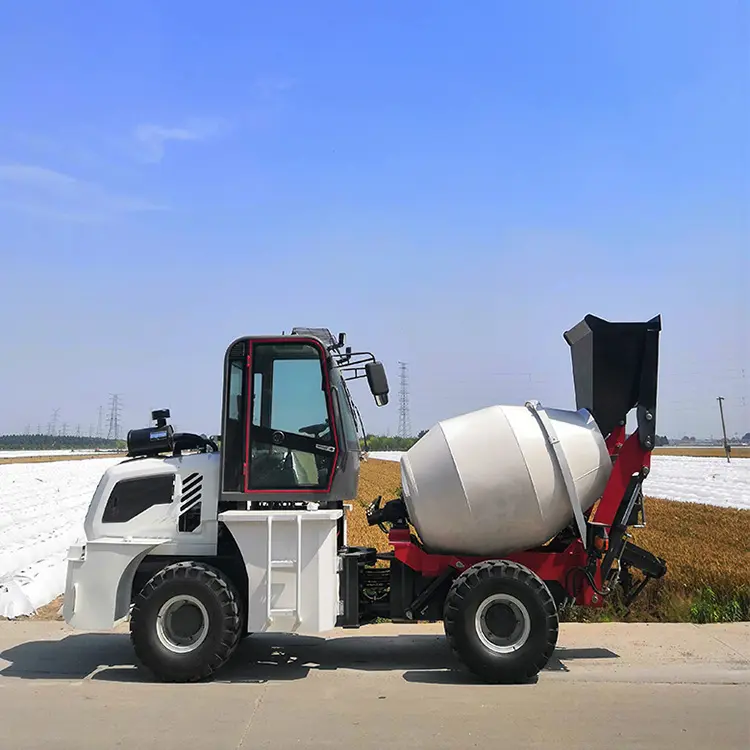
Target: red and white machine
506, 514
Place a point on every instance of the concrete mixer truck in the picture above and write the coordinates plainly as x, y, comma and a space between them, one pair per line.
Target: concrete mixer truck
505, 515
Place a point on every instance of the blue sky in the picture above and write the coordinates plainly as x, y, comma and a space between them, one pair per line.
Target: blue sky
453, 184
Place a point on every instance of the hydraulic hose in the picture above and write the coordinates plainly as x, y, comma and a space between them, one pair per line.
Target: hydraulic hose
590, 579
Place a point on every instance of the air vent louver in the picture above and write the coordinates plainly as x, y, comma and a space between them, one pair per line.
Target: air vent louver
190, 502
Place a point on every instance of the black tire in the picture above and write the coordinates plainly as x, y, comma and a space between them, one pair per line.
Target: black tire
501, 621
213, 611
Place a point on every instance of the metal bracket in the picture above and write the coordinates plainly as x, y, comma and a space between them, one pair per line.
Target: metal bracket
550, 435
421, 602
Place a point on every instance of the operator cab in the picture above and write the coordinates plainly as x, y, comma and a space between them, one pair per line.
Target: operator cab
289, 433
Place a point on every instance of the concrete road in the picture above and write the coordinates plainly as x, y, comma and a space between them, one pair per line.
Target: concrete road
608, 686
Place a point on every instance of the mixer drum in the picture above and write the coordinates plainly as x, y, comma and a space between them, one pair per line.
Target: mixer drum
489, 483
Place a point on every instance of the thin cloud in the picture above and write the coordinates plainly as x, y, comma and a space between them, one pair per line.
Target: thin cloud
63, 148
152, 139
44, 192
273, 84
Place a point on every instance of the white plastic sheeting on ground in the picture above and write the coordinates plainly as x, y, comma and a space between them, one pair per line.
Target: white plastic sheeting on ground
386, 455
42, 507
700, 480
688, 479
66, 452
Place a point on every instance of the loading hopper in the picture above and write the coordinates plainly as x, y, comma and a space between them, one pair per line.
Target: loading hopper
614, 369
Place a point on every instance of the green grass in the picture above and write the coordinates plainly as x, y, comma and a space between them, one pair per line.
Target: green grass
662, 603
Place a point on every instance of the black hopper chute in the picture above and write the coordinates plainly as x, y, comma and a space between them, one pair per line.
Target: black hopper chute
615, 368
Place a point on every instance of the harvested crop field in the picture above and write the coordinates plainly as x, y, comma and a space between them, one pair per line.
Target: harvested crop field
703, 545
376, 478
738, 451
707, 549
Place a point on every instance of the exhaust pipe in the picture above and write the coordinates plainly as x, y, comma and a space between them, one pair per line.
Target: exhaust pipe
615, 368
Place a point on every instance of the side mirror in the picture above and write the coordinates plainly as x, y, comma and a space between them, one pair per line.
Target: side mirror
378, 381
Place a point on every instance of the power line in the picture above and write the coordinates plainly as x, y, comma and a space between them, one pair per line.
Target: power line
404, 419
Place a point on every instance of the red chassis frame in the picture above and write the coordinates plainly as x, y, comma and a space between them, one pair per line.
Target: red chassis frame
629, 458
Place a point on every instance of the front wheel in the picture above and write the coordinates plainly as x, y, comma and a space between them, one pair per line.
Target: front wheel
186, 622
501, 621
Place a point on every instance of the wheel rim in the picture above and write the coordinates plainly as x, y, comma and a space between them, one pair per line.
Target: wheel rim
502, 623
182, 624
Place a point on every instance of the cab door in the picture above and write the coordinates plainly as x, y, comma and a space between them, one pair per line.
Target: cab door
291, 442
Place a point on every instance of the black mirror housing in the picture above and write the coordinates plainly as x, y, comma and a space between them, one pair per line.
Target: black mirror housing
378, 381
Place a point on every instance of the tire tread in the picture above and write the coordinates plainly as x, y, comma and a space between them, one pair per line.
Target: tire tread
228, 599
460, 592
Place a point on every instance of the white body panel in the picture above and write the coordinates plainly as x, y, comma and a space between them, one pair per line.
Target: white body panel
101, 568
100, 579
292, 554
161, 520
490, 482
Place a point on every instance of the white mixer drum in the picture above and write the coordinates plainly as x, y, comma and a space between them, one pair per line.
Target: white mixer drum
489, 483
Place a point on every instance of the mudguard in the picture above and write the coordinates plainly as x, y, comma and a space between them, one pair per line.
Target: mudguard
100, 580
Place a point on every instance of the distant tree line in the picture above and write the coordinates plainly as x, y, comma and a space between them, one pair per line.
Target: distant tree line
395, 443
692, 439
390, 442
57, 442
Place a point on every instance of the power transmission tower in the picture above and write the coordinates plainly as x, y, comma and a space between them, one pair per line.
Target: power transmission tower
727, 449
99, 423
404, 420
64, 430
53, 422
113, 430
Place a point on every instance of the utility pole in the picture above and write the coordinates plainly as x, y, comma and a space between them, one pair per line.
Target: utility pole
727, 447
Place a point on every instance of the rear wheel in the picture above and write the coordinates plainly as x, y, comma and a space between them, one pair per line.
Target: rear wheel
501, 621
186, 622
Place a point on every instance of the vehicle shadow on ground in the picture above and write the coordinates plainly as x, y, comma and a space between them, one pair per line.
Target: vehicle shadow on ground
261, 658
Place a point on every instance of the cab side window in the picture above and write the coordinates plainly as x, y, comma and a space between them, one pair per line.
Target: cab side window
234, 433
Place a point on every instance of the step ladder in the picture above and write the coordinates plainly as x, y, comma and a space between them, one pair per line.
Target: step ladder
296, 565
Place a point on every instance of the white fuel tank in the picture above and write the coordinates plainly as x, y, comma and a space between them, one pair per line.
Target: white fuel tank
490, 482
